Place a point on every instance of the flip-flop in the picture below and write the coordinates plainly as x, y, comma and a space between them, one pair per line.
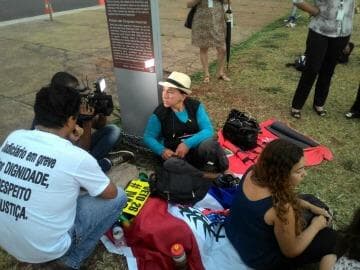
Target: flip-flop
350, 115
295, 114
320, 113
224, 78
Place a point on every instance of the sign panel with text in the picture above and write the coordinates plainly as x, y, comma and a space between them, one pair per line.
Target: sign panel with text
134, 30
130, 31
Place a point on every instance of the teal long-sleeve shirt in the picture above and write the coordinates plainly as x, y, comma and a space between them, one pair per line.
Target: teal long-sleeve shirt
153, 134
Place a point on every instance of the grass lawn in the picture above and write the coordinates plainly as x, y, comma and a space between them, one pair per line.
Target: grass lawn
263, 86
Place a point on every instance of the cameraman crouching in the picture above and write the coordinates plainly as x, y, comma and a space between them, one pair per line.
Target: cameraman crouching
100, 142
43, 219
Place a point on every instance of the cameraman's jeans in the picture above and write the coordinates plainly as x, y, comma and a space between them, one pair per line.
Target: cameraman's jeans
102, 141
94, 216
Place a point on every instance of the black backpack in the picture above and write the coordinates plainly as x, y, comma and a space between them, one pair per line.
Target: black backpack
178, 187
241, 130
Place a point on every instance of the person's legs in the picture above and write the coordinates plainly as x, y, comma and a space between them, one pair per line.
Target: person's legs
291, 21
209, 152
205, 63
179, 165
322, 245
293, 12
356, 106
316, 47
94, 216
105, 164
103, 140
335, 46
221, 63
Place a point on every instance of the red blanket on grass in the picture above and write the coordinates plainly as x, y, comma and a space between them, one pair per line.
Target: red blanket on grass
153, 232
240, 161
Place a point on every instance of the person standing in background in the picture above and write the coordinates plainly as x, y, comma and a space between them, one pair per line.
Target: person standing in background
355, 109
291, 21
208, 30
329, 32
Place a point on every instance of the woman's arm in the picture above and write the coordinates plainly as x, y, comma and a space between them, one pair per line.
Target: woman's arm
314, 209
307, 7
152, 134
293, 245
206, 129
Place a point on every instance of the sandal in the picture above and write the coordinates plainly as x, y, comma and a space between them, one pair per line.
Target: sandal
351, 115
295, 114
224, 78
321, 112
206, 79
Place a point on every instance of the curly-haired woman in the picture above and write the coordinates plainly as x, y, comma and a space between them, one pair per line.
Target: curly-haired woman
266, 225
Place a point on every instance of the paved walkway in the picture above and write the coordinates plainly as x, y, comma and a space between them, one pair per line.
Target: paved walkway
32, 51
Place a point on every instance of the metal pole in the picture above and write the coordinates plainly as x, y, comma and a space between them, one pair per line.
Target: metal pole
48, 9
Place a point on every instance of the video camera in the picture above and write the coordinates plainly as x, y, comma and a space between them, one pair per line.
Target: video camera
97, 98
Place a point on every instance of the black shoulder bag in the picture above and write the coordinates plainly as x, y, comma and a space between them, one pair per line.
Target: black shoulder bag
190, 17
178, 187
241, 130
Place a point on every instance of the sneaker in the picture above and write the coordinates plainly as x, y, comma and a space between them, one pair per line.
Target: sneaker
105, 164
121, 156
290, 22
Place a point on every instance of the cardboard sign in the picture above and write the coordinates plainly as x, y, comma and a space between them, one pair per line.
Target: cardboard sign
137, 192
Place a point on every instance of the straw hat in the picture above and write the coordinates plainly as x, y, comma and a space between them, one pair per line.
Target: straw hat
179, 81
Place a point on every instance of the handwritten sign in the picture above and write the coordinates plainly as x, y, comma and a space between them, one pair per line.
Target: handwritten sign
137, 191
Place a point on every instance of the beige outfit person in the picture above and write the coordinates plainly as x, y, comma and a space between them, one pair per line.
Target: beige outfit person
208, 31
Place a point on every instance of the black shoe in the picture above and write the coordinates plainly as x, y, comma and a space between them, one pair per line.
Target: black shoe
296, 114
226, 181
351, 115
320, 113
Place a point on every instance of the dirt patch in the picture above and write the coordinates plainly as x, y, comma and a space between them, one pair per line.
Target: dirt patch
178, 53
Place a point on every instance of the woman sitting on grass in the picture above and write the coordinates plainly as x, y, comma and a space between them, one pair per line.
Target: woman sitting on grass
266, 225
181, 133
